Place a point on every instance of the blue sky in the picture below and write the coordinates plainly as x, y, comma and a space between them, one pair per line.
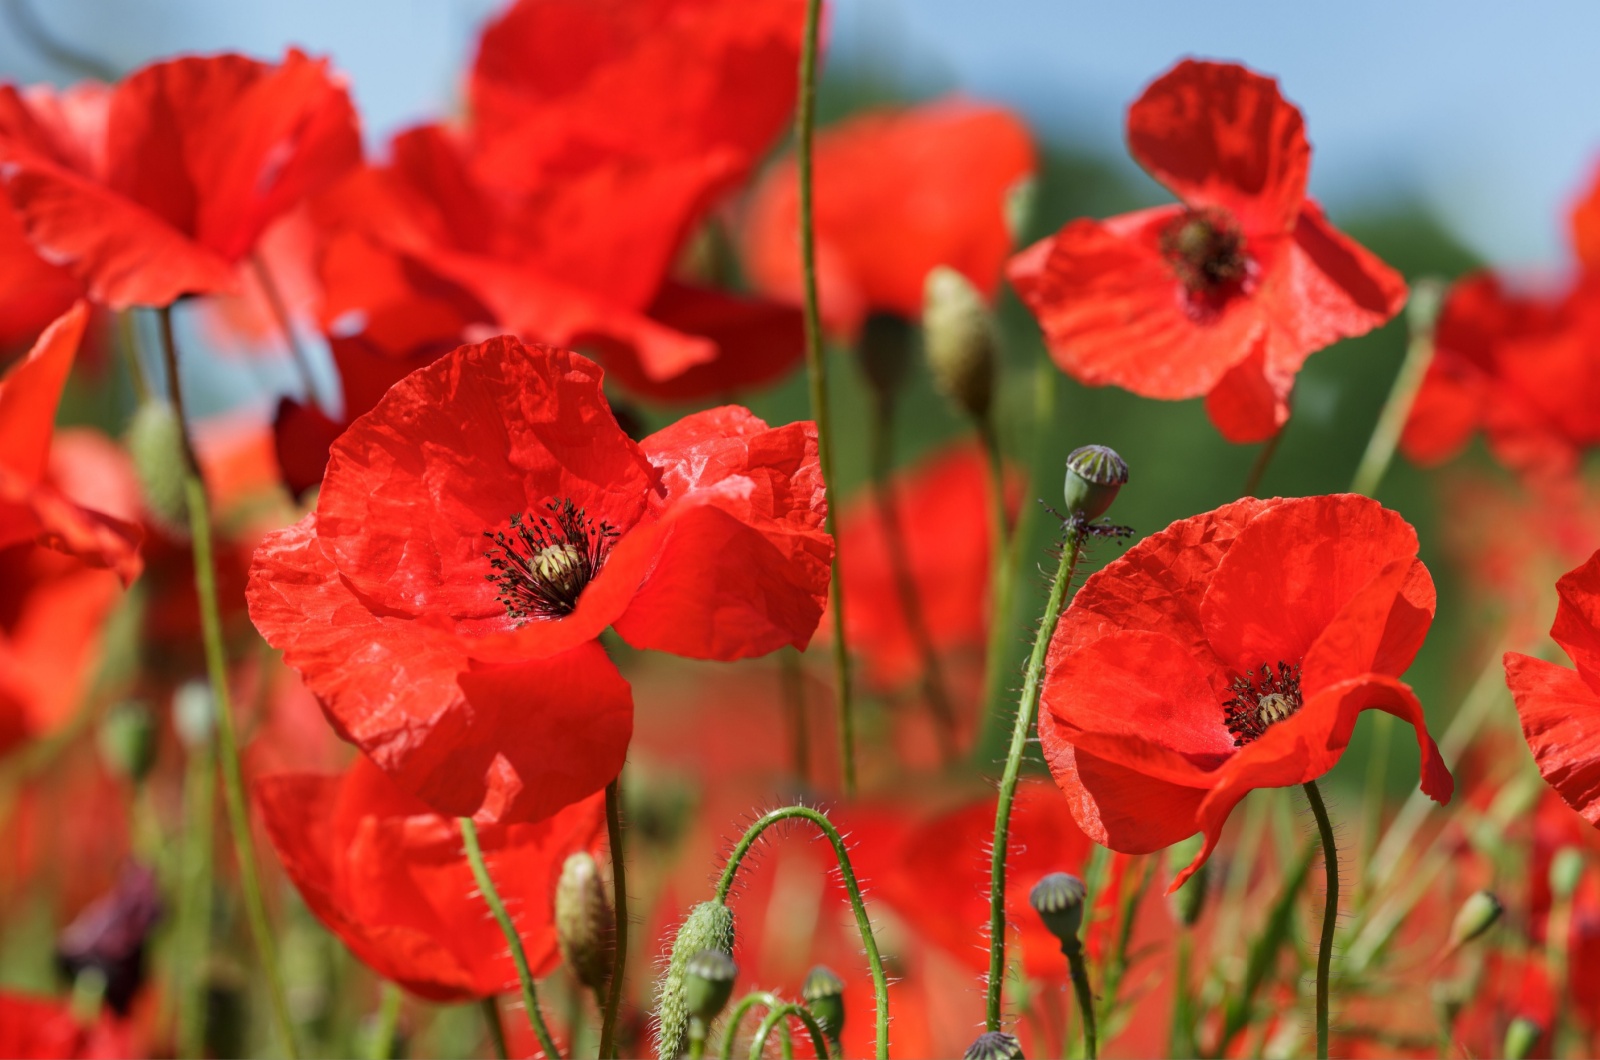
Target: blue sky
1487, 112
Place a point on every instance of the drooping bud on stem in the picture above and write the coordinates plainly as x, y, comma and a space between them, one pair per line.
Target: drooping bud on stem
709, 926
1095, 473
1477, 915
127, 740
958, 333
995, 1045
1058, 899
823, 992
155, 442
585, 927
1521, 1036
708, 983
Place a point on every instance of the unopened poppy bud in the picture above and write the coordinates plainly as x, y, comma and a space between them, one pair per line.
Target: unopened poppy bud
708, 983
1565, 870
1094, 475
1190, 899
585, 930
709, 926
1058, 899
959, 337
1477, 914
155, 442
1521, 1036
885, 351
994, 1045
128, 740
823, 992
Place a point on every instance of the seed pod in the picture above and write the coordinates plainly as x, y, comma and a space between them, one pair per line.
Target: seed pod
155, 442
959, 336
709, 926
1477, 914
585, 927
1094, 475
708, 983
1058, 899
823, 992
994, 1045
127, 740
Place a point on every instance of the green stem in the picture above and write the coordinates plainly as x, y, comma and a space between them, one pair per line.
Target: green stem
880, 984
1258, 470
1391, 423
1021, 727
817, 377
792, 665
381, 1047
519, 956
1116, 962
1180, 1036
619, 894
1001, 580
193, 933
1080, 986
740, 1010
490, 1008
205, 579
759, 1043
1330, 913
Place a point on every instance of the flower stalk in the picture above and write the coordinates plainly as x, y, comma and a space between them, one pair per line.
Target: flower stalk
1330, 913
619, 903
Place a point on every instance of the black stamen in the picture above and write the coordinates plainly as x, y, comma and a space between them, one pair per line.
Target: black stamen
1261, 702
543, 567
1206, 251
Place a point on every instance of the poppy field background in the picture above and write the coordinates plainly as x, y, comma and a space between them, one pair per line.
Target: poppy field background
430, 712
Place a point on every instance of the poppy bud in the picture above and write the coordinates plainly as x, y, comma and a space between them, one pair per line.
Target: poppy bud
1094, 475
1566, 868
994, 1045
823, 992
1058, 899
1422, 307
585, 928
708, 983
959, 337
192, 714
1521, 1037
155, 442
1190, 899
709, 926
105, 945
1021, 198
1476, 915
128, 740
885, 351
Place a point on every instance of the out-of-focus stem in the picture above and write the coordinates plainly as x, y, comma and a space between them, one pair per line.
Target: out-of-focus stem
280, 312
192, 937
382, 1044
490, 1007
1258, 470
619, 903
792, 665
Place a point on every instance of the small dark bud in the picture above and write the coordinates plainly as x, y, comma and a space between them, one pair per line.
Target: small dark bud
1190, 899
1477, 915
824, 996
994, 1045
1521, 1036
708, 983
885, 350
108, 938
1094, 475
128, 740
959, 336
1058, 899
1566, 868
585, 927
155, 442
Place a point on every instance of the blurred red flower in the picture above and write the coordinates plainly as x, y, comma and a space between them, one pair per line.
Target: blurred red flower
388, 876
484, 524
42, 1028
163, 193
898, 192
1233, 650
1225, 294
33, 508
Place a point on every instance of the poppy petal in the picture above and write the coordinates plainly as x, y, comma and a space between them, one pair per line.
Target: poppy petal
31, 389
1380, 630
1577, 623
1249, 404
1557, 708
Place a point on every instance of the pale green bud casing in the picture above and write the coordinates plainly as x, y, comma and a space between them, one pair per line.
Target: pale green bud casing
959, 337
585, 927
155, 442
709, 926
1521, 1037
1480, 912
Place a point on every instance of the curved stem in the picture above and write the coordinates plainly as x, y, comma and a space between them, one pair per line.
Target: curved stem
227, 740
783, 1012
880, 984
817, 377
1330, 913
619, 903
1022, 725
740, 1010
519, 956
1258, 470
381, 1047
490, 1008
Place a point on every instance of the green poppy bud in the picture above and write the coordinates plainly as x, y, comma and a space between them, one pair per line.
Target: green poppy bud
824, 996
1521, 1037
709, 926
1477, 914
994, 1045
1094, 475
155, 442
585, 927
708, 983
127, 740
959, 338
1058, 899
1566, 868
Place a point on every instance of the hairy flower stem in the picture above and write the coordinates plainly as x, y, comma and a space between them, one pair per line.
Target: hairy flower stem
519, 956
619, 903
894, 540
490, 1006
1022, 725
227, 740
817, 377
1330, 913
758, 1044
880, 984
778, 1009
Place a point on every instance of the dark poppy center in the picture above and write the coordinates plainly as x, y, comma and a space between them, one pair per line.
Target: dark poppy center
542, 563
1261, 699
1207, 253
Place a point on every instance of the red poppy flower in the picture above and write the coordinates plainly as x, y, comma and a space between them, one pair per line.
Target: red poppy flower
32, 505
388, 876
1586, 226
48, 1029
194, 159
1233, 650
1225, 294
484, 523
898, 192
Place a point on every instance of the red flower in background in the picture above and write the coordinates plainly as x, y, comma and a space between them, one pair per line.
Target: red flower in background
898, 192
1225, 294
192, 159
478, 530
388, 877
1233, 650
42, 1028
33, 508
